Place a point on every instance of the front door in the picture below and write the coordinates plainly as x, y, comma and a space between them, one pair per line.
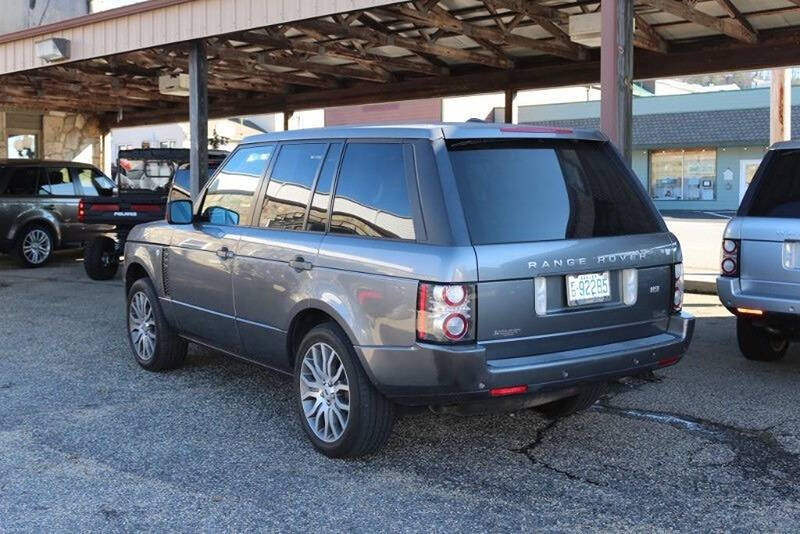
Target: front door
200, 259
747, 170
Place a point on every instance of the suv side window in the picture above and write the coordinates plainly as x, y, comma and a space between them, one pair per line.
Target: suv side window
229, 198
318, 214
56, 181
21, 181
86, 178
371, 193
289, 187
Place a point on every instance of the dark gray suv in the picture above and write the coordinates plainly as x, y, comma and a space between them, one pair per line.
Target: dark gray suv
39, 206
474, 266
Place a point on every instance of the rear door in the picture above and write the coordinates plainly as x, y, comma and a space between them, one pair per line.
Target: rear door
769, 227
276, 256
570, 251
58, 195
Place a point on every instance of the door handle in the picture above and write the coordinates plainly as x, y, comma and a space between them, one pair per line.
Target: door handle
300, 264
224, 253
50, 207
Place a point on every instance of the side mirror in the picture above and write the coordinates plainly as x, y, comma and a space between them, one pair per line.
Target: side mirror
179, 212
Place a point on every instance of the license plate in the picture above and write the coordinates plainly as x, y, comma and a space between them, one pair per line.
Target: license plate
588, 288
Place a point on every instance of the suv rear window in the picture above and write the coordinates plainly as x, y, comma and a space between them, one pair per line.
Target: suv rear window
776, 190
542, 190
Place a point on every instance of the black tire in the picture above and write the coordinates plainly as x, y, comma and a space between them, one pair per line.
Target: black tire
570, 405
756, 343
371, 415
99, 258
29, 233
168, 349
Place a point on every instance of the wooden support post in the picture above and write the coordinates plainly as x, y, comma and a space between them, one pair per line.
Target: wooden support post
287, 116
198, 117
511, 115
616, 73
780, 106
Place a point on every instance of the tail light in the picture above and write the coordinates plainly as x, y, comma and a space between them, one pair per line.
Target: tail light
730, 257
677, 287
81, 211
445, 313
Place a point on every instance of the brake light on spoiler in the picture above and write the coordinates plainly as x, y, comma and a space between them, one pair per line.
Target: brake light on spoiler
535, 129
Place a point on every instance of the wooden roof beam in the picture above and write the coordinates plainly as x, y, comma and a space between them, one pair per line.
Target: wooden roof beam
544, 17
730, 27
377, 38
648, 38
734, 13
439, 18
338, 51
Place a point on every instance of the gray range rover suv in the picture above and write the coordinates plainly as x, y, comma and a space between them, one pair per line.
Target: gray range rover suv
471, 265
760, 268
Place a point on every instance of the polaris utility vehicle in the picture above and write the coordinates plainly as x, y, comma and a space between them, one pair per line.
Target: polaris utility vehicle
760, 268
470, 265
39, 207
143, 181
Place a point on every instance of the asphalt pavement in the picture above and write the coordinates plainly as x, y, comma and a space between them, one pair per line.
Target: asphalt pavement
89, 441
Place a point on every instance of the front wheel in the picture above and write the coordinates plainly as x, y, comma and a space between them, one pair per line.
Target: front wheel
341, 412
757, 343
155, 345
100, 258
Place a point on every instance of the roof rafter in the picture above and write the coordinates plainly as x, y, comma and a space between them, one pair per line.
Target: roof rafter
730, 27
439, 18
382, 39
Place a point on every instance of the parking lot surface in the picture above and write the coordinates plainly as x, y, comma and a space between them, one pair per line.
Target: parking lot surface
88, 440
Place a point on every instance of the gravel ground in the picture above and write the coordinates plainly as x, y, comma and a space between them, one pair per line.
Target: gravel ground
89, 441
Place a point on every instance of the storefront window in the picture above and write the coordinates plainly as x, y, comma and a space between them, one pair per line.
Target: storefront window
22, 146
683, 174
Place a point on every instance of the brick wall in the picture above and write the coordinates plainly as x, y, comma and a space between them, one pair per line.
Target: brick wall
409, 111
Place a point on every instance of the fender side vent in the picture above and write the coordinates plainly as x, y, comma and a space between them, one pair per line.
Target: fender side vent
165, 270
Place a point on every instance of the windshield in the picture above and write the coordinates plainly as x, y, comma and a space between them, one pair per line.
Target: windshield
541, 190
145, 175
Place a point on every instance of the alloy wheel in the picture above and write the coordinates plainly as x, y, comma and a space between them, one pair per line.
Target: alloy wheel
324, 392
142, 326
36, 246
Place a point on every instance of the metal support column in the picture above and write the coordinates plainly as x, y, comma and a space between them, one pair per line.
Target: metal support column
287, 116
780, 106
616, 73
198, 117
510, 111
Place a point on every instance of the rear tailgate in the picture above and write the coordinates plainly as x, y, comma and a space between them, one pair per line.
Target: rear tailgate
770, 256
541, 211
123, 209
768, 225
509, 323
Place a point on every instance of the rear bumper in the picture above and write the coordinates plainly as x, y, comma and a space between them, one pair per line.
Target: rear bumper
731, 296
432, 374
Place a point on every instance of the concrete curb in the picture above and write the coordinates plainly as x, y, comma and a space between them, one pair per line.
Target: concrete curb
700, 286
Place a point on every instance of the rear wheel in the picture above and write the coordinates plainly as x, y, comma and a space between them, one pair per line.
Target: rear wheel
35, 245
100, 259
155, 345
341, 412
757, 343
570, 405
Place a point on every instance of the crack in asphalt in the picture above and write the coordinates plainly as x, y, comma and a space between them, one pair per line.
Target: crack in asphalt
529, 449
758, 453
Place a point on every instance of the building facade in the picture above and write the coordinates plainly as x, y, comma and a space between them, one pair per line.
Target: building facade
692, 151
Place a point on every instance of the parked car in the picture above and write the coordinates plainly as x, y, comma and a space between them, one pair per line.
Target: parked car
457, 266
760, 267
39, 207
144, 182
